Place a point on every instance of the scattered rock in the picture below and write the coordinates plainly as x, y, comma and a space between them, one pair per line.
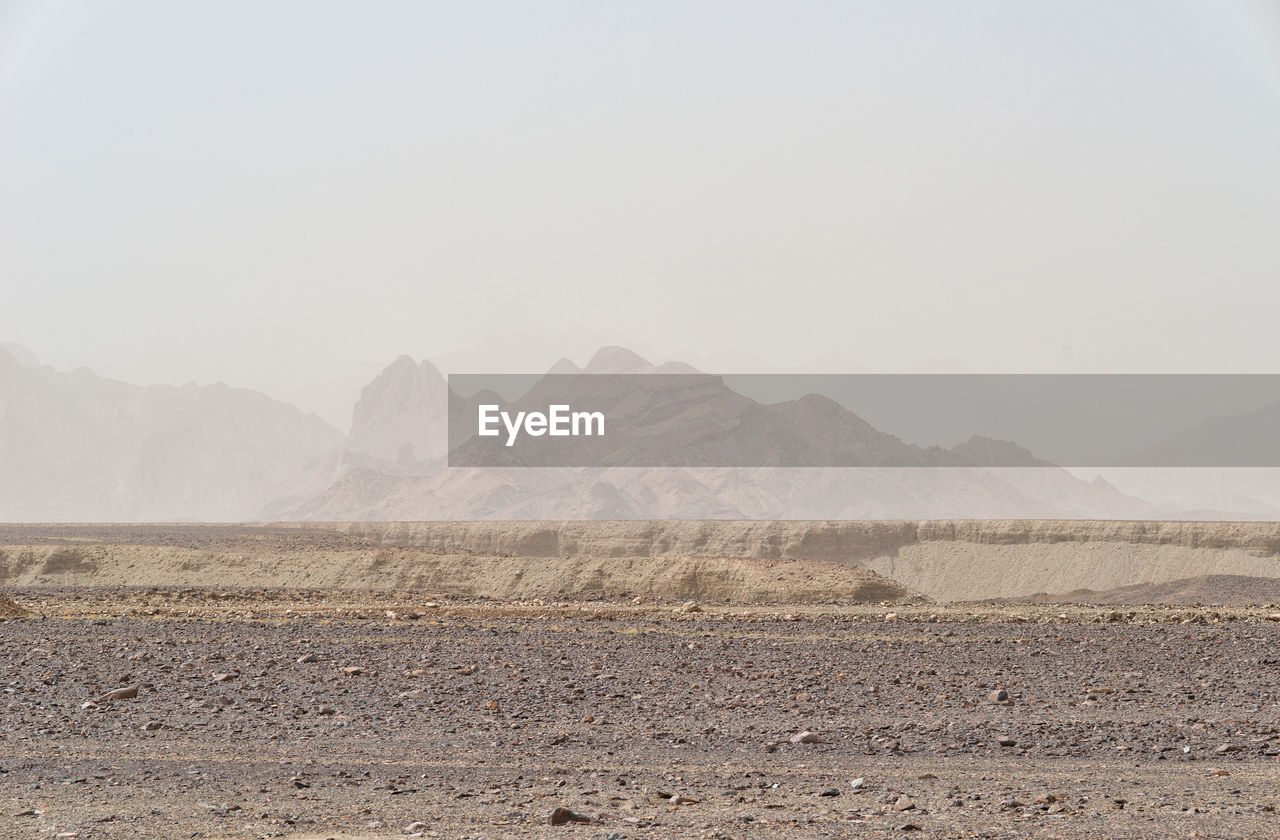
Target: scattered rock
690, 607
904, 803
563, 816
119, 694
415, 827
307, 658
807, 737
1007, 742
998, 696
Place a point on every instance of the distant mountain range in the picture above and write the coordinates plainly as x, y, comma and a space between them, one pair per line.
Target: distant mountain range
76, 446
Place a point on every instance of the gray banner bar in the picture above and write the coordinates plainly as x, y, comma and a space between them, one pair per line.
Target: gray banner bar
863, 420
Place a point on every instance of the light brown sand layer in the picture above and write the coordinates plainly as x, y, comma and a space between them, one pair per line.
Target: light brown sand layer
710, 560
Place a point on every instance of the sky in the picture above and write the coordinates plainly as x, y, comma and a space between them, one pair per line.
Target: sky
288, 195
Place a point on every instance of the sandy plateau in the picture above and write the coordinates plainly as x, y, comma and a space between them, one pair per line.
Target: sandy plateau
640, 680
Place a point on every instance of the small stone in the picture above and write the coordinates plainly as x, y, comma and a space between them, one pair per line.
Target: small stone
152, 726
830, 792
1007, 742
326, 709
690, 607
119, 694
224, 677
1224, 749
998, 696
493, 705
858, 783
904, 803
307, 658
415, 827
807, 737
351, 671
563, 816
804, 697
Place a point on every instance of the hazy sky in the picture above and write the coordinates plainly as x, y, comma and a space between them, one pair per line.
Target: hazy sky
279, 194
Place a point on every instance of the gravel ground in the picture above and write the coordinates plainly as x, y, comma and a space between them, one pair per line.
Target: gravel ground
262, 714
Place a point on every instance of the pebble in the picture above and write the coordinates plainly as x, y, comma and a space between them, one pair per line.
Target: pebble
807, 737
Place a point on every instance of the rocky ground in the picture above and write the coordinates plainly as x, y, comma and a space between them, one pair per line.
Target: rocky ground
345, 715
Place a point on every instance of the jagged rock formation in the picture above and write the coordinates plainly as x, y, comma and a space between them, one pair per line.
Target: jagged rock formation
401, 414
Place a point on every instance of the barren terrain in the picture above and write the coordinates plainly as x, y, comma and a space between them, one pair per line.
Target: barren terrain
374, 709
331, 714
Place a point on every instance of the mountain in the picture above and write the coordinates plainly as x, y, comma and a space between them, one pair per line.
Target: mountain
880, 477
1251, 439
402, 414
77, 446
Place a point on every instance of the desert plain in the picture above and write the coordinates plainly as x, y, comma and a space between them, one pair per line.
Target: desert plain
632, 680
